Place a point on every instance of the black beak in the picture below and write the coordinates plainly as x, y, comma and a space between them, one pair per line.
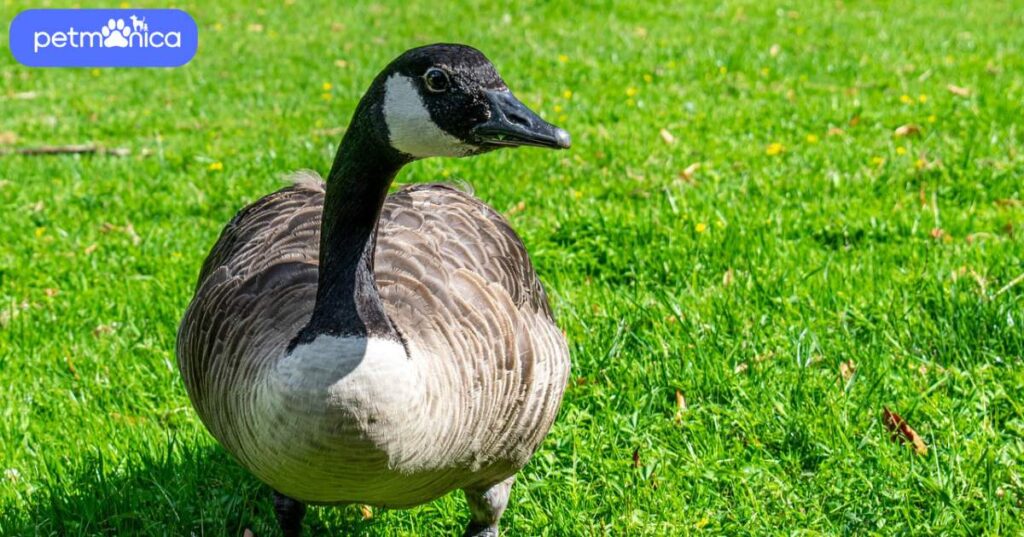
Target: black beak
513, 124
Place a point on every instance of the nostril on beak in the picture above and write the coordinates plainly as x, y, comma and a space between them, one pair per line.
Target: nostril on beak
518, 119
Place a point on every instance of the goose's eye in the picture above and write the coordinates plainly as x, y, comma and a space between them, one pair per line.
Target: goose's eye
436, 80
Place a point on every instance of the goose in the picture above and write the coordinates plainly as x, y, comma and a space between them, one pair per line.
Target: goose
347, 346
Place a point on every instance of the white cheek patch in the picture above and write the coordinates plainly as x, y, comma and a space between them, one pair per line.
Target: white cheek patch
410, 128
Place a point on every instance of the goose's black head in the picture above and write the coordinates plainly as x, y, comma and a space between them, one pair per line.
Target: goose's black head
448, 100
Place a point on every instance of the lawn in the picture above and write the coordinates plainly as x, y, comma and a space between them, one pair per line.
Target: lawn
749, 255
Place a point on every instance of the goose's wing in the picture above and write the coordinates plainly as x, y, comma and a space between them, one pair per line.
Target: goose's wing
255, 291
458, 284
439, 224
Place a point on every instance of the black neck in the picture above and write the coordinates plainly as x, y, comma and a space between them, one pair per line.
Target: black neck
347, 301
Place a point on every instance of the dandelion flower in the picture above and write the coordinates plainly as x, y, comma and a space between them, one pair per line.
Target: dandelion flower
901, 150
723, 69
701, 227
327, 86
648, 78
562, 58
922, 98
774, 149
567, 94
906, 99
932, 118
877, 161
215, 166
631, 91
812, 138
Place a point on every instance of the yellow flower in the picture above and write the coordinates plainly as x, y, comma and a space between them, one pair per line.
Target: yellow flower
648, 78
558, 108
445, 173
40, 231
920, 163
932, 118
125, 5
701, 523
773, 149
95, 72
631, 91
567, 94
905, 99
877, 161
812, 138
701, 227
218, 26
215, 166
562, 58
901, 150
922, 98
327, 86
723, 69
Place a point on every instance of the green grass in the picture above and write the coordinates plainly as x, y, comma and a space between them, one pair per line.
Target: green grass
744, 287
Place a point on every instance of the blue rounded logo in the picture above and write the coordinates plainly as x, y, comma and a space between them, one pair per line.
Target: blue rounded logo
104, 37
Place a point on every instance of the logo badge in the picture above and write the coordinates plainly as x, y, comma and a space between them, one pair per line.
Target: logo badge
103, 37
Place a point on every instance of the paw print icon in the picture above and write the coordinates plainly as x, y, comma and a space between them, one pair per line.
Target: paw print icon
115, 34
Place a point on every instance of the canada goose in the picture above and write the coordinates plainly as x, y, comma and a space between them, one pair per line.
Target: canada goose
397, 347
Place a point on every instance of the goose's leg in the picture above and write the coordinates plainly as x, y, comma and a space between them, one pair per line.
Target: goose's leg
289, 514
487, 506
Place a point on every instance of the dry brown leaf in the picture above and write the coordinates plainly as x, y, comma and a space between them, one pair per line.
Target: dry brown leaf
1009, 202
636, 458
937, 233
680, 402
688, 173
959, 90
727, 278
8, 138
90, 249
341, 64
667, 137
104, 329
847, 369
835, 131
910, 129
255, 28
51, 292
248, 533
741, 368
71, 366
900, 432
775, 50
366, 511
517, 208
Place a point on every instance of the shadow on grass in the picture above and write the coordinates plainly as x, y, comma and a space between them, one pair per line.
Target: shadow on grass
190, 491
